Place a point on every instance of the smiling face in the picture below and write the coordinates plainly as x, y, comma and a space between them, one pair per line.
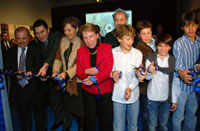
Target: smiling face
90, 38
146, 35
163, 49
190, 30
22, 39
70, 32
120, 19
126, 43
42, 33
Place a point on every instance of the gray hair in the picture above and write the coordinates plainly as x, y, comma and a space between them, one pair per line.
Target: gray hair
122, 11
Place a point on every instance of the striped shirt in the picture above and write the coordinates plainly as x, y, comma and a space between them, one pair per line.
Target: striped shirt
186, 53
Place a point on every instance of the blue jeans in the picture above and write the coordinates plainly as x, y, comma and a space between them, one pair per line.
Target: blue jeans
187, 106
123, 112
157, 110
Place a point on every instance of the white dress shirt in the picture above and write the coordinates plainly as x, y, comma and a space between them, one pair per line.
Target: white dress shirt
125, 63
158, 87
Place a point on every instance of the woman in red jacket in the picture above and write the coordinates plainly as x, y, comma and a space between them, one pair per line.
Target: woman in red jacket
94, 65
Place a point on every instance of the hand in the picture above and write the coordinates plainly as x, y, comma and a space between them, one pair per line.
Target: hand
127, 94
174, 107
29, 73
19, 76
140, 76
91, 71
115, 75
185, 75
54, 74
151, 68
87, 81
63, 75
198, 67
43, 69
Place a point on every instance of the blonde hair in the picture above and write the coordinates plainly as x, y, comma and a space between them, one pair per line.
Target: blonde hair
125, 30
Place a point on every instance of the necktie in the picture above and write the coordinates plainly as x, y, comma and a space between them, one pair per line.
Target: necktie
67, 54
22, 60
6, 46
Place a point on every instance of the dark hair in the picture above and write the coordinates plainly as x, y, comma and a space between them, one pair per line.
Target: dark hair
88, 27
74, 21
122, 11
3, 33
164, 38
38, 23
142, 24
122, 30
22, 28
189, 17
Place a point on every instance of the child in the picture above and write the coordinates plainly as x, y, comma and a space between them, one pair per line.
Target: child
126, 90
186, 52
147, 46
159, 89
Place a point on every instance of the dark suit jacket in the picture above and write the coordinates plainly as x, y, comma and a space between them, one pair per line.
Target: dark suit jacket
48, 52
4, 50
33, 64
110, 38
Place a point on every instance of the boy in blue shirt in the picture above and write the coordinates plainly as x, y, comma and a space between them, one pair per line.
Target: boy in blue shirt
186, 53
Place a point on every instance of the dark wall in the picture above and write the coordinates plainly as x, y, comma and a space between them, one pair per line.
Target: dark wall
157, 11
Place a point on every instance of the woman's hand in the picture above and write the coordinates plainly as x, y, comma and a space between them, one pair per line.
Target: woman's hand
91, 71
87, 81
63, 75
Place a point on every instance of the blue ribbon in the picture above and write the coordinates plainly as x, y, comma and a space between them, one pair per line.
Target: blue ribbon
94, 80
120, 74
140, 70
2, 122
155, 64
62, 83
196, 82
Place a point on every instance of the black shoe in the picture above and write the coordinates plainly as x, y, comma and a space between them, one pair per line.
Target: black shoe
66, 129
56, 125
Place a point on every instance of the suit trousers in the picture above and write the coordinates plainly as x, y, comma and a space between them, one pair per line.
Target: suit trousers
53, 97
29, 99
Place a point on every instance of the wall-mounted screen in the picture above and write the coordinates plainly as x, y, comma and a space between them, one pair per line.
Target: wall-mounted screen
105, 20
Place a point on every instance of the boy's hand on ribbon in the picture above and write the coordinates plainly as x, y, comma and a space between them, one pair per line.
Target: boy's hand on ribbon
173, 107
127, 94
140, 76
151, 67
91, 71
115, 75
87, 81
185, 75
198, 67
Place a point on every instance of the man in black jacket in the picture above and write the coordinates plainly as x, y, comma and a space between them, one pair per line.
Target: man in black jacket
26, 91
120, 18
48, 42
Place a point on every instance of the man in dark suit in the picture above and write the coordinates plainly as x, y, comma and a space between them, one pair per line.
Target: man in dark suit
24, 57
5, 45
48, 42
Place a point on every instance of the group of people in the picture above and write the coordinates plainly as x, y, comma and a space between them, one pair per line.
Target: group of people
108, 82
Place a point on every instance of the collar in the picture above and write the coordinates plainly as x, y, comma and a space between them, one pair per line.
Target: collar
196, 38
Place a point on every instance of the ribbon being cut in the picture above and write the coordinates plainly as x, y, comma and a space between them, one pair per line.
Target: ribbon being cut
196, 82
61, 81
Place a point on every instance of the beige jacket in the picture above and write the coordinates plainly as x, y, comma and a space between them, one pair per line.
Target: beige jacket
60, 64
